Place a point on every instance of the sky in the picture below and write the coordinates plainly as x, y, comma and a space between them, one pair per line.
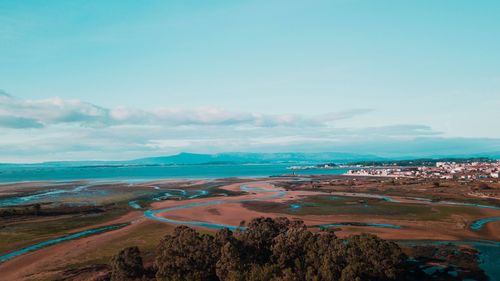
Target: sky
111, 80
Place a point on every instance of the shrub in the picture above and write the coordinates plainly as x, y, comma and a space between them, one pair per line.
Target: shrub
127, 265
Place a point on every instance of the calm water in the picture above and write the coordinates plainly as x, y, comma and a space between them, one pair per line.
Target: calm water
130, 173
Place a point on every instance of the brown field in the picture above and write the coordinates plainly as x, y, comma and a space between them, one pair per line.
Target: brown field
418, 220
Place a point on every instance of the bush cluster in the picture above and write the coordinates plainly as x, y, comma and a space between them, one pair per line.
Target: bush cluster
268, 249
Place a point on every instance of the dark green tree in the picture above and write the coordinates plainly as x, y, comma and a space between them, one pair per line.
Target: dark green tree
230, 265
187, 255
127, 265
289, 251
372, 258
257, 239
268, 250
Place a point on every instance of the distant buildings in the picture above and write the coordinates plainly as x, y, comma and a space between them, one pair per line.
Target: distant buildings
442, 170
313, 167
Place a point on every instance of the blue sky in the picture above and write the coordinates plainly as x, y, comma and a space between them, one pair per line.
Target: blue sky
124, 79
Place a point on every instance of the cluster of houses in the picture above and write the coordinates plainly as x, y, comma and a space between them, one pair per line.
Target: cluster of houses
442, 170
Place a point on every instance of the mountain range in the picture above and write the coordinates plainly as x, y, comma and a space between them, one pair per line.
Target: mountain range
185, 158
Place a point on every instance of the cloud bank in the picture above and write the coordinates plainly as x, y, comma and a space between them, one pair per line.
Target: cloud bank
19, 113
59, 129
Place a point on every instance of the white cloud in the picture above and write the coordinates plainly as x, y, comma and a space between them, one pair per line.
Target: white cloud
57, 129
19, 113
52, 111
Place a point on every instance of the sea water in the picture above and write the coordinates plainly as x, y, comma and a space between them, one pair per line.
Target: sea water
12, 173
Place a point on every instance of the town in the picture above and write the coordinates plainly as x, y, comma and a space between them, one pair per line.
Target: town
441, 170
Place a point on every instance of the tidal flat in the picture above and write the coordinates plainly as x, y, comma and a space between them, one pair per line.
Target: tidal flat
148, 210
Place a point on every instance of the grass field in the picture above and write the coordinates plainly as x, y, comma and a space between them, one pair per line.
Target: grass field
19, 232
146, 238
336, 205
16, 235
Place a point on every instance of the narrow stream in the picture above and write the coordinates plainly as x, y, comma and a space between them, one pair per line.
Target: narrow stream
489, 253
489, 250
478, 224
59, 240
14, 201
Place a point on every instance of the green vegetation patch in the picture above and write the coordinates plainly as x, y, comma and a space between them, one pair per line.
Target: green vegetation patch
21, 234
330, 205
147, 237
268, 249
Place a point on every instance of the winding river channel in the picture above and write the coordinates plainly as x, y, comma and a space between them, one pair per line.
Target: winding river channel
153, 214
489, 249
58, 240
48, 194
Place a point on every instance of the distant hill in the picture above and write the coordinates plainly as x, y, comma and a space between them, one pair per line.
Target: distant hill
220, 158
249, 158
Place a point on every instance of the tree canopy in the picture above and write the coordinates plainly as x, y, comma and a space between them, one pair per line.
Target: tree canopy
269, 249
